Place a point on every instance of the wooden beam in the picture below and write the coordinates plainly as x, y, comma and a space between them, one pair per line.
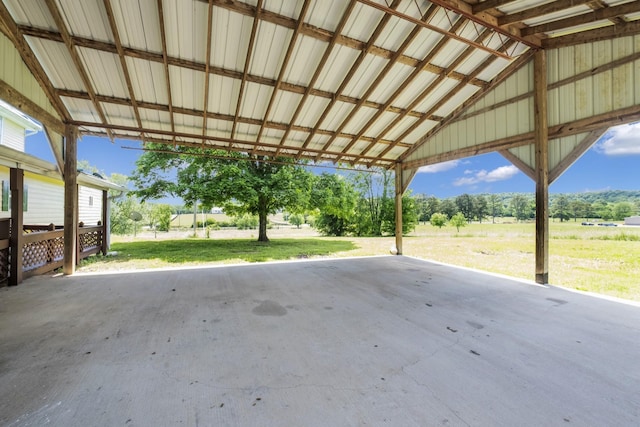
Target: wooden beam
283, 67
544, 9
606, 33
488, 20
502, 76
585, 18
70, 199
165, 63
28, 57
354, 67
399, 192
207, 65
489, 4
27, 106
56, 142
245, 72
517, 162
575, 154
599, 121
16, 185
106, 229
392, 11
542, 166
374, 85
75, 57
318, 71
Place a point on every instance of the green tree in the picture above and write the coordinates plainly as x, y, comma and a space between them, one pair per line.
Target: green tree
438, 219
375, 203
409, 216
495, 206
622, 210
160, 217
561, 207
241, 183
458, 220
335, 200
464, 203
296, 219
480, 207
520, 207
448, 207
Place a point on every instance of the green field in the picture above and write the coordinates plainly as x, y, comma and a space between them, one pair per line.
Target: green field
596, 259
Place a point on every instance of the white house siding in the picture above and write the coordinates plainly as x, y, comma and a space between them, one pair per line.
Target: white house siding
12, 135
45, 200
90, 205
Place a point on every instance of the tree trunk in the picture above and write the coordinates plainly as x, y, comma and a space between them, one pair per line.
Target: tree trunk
262, 227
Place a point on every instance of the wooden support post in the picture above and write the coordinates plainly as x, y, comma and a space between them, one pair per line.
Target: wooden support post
542, 166
399, 208
105, 222
16, 185
70, 198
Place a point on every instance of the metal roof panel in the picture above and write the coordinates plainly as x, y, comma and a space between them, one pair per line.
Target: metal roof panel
148, 80
57, 63
255, 100
223, 95
138, 24
31, 12
269, 49
105, 72
87, 18
186, 87
81, 109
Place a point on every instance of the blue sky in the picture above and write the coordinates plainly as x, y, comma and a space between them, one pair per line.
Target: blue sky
613, 163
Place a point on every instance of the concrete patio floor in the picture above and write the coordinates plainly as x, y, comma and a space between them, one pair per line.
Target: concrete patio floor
372, 341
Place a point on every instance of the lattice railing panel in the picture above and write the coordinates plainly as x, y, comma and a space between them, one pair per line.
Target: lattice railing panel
5, 259
90, 240
37, 254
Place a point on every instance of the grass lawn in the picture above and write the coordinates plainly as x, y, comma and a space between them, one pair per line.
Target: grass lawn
596, 259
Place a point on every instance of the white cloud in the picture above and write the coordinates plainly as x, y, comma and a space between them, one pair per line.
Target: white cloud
621, 140
439, 167
499, 174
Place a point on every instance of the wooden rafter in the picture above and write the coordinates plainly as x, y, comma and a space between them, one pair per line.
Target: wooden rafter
318, 71
245, 72
285, 63
575, 154
354, 67
379, 78
154, 133
502, 76
489, 4
588, 124
17, 38
544, 9
75, 57
196, 66
165, 62
123, 61
206, 68
488, 20
605, 33
517, 162
391, 11
216, 116
461, 85
427, 59
585, 18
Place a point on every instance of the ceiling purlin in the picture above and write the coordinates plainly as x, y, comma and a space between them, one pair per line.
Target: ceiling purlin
123, 62
596, 15
489, 4
430, 56
17, 37
544, 9
165, 62
216, 116
434, 28
53, 9
318, 71
605, 33
488, 20
245, 71
501, 77
459, 60
283, 68
153, 136
206, 68
379, 78
354, 67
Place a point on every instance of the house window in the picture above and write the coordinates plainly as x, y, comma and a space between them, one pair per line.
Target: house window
5, 196
90, 200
